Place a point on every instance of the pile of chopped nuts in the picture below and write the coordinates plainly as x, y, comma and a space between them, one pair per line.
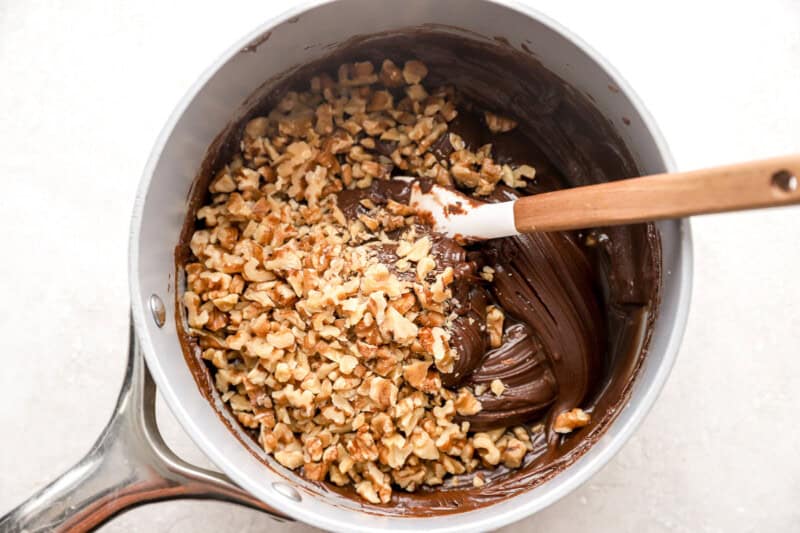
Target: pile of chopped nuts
333, 357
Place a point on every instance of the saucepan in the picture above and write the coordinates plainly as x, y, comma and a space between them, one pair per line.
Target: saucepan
130, 465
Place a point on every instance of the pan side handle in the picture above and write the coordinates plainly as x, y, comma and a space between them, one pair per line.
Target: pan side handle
129, 465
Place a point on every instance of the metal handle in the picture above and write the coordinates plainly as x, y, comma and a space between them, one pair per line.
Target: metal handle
129, 465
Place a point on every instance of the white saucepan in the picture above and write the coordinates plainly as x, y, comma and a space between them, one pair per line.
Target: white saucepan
130, 464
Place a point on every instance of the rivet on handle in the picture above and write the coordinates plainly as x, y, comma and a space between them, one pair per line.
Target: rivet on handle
157, 310
287, 491
785, 181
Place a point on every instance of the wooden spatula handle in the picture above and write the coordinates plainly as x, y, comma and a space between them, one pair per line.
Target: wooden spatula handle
767, 183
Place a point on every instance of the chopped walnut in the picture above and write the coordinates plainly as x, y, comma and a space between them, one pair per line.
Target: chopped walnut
290, 458
514, 452
390, 75
497, 123
466, 404
497, 387
333, 357
414, 72
568, 421
486, 448
494, 325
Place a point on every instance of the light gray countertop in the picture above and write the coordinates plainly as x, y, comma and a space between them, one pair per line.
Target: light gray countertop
85, 87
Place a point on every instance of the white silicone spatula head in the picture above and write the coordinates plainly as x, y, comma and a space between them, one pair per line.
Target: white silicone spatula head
461, 217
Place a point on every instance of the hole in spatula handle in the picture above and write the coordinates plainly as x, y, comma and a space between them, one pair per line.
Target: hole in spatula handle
785, 181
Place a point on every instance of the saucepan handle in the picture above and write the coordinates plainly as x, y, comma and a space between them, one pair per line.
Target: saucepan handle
129, 465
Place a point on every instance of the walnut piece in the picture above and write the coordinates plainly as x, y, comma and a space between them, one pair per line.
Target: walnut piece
568, 421
494, 325
497, 387
497, 123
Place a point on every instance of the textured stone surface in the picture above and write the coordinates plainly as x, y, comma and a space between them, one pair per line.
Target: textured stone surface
84, 90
